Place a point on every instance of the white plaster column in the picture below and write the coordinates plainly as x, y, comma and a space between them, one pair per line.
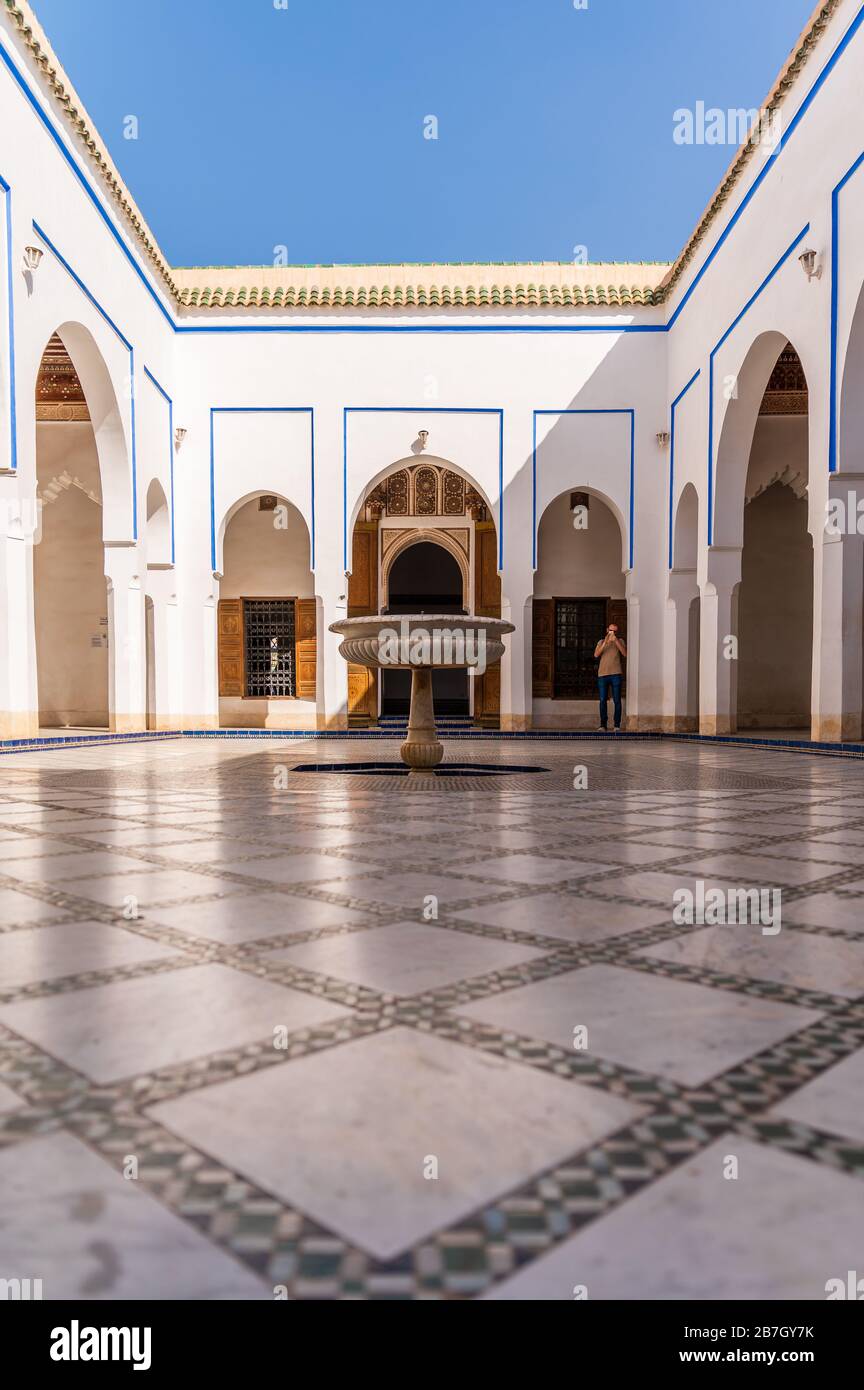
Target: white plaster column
838, 617
718, 655
332, 697
516, 692
163, 652
678, 716
19, 698
632, 680
127, 694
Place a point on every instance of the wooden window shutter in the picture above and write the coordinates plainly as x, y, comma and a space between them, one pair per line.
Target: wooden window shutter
542, 648
487, 581
230, 631
305, 627
363, 580
616, 612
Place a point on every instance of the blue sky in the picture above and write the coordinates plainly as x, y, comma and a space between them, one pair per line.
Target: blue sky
261, 127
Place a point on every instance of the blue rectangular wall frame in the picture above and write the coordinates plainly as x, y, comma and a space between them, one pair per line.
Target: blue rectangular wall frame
260, 410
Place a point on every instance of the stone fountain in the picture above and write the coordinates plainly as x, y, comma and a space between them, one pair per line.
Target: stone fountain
421, 643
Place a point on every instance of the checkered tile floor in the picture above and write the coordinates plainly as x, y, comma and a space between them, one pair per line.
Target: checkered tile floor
349, 1037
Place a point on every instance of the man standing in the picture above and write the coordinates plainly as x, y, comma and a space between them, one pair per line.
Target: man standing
610, 649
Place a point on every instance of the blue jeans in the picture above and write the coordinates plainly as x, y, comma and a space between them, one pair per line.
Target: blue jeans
612, 683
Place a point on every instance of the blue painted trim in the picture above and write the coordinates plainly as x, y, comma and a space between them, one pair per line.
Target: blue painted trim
82, 179
91, 298
421, 410
631, 507
422, 328
770, 163
834, 404
675, 404
10, 321
260, 410
733, 325
165, 396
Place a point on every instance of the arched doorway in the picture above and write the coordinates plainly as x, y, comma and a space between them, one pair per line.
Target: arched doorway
775, 599
267, 619
579, 588
70, 589
410, 505
425, 578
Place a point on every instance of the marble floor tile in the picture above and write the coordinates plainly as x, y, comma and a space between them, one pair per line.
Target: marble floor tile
120, 1029
405, 957
149, 886
841, 910
671, 1028
30, 847
48, 953
149, 836
16, 907
374, 1113
215, 851
802, 959
244, 917
832, 1102
773, 1233
761, 869
82, 863
623, 852
531, 868
392, 887
576, 919
73, 1221
302, 868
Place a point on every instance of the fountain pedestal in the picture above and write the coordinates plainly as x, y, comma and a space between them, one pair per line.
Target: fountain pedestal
421, 643
422, 747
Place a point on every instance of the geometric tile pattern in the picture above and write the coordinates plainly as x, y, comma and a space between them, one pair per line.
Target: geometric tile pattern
364, 1079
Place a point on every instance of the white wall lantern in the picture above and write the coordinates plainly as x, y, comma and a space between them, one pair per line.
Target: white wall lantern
32, 257
179, 436
808, 260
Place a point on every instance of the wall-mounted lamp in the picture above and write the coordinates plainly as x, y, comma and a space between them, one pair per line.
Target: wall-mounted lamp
423, 436
32, 256
663, 439
808, 260
179, 436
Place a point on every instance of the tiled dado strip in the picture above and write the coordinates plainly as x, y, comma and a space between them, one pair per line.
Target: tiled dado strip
842, 750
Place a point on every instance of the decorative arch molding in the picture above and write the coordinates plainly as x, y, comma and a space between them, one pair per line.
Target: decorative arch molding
393, 492
425, 489
395, 541
786, 477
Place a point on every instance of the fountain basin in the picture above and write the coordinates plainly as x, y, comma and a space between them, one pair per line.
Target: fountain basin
422, 643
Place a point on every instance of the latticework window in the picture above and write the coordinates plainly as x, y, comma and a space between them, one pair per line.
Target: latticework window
579, 625
270, 647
